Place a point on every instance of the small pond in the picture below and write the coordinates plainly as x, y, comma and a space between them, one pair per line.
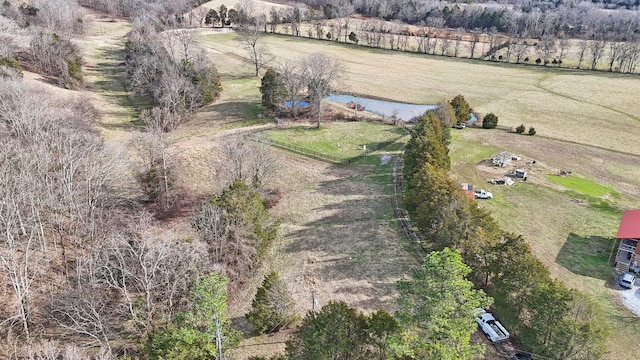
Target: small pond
298, 103
403, 111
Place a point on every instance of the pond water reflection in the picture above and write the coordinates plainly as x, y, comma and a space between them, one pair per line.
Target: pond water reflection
402, 111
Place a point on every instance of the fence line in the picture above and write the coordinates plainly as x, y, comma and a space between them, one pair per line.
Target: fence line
321, 156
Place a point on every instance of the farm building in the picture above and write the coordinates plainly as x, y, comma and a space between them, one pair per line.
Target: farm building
503, 159
628, 237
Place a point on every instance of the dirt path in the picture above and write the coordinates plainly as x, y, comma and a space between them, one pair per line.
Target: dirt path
104, 76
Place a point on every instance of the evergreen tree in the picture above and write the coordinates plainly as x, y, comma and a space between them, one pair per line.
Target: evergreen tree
461, 108
272, 89
428, 143
490, 121
273, 308
341, 332
204, 332
437, 305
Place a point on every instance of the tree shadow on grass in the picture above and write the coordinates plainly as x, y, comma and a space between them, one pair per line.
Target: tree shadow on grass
352, 250
230, 109
587, 255
112, 83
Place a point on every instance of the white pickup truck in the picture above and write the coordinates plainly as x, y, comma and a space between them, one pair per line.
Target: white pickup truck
490, 326
481, 194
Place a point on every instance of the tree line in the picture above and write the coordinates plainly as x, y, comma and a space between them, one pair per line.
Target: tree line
599, 39
545, 316
434, 319
523, 18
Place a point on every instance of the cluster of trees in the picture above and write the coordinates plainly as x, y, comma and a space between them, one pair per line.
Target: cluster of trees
158, 10
545, 316
79, 252
82, 256
166, 67
520, 129
527, 18
52, 25
434, 320
312, 77
54, 56
64, 17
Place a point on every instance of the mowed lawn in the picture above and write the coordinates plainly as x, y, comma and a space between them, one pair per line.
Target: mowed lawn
579, 106
342, 140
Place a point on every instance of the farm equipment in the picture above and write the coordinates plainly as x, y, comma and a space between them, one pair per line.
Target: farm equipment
518, 174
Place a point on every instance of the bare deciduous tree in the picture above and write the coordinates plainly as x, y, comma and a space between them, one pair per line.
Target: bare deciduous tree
520, 50
153, 275
251, 35
320, 73
253, 163
291, 74
473, 42
546, 48
583, 45
563, 45
596, 50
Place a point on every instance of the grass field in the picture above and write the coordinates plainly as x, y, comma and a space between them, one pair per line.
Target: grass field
588, 108
340, 140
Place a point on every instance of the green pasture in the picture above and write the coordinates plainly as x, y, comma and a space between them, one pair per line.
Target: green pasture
343, 140
582, 185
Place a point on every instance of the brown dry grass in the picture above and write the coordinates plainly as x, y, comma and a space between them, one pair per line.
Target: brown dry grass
104, 77
598, 113
336, 240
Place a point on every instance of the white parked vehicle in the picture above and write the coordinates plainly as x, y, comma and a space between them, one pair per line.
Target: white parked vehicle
627, 280
481, 194
490, 326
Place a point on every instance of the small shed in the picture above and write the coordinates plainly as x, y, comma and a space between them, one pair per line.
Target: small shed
502, 159
627, 238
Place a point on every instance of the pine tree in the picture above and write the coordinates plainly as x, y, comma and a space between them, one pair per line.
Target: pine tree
273, 307
462, 108
273, 90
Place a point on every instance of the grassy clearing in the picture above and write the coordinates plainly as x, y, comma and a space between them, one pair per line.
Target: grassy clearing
338, 239
340, 139
582, 185
544, 98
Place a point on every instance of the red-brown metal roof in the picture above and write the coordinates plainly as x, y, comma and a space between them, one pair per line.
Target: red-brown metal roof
629, 225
